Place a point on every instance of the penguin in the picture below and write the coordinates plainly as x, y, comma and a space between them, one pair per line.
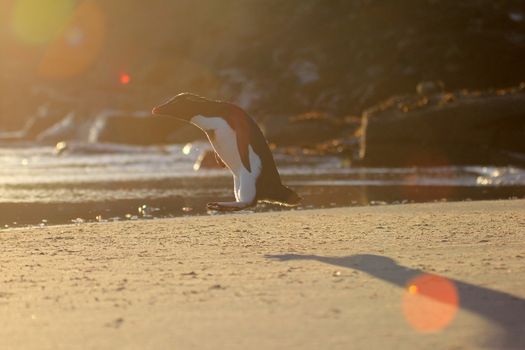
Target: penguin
239, 144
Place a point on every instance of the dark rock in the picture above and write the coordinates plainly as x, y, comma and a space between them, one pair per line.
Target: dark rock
142, 130
44, 119
463, 128
426, 88
65, 129
185, 133
306, 130
39, 124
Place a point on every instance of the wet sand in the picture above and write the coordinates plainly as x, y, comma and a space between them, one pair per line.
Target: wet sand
314, 279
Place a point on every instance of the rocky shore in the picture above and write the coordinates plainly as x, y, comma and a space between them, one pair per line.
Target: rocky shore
429, 128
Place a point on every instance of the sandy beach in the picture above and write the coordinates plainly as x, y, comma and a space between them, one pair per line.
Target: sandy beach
345, 278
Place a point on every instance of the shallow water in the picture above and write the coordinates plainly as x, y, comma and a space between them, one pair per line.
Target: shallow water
110, 182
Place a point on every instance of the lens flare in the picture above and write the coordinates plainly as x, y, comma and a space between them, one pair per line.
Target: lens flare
412, 289
37, 22
78, 45
430, 303
125, 78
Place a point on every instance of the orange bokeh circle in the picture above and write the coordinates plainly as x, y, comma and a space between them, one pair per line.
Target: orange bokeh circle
430, 302
79, 45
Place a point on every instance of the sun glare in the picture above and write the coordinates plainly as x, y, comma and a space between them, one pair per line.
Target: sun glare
37, 22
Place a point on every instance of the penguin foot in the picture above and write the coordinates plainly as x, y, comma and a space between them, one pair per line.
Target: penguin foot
228, 206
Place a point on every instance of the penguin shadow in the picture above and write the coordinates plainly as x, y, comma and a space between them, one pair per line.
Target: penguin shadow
502, 309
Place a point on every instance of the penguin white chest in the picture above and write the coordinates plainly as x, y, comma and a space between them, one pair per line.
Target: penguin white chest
224, 140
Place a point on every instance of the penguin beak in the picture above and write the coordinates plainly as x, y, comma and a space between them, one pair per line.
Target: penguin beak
163, 109
158, 110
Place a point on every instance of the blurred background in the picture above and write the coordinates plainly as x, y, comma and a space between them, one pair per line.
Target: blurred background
391, 101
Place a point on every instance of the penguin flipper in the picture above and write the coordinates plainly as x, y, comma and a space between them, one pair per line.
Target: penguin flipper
243, 141
219, 160
239, 122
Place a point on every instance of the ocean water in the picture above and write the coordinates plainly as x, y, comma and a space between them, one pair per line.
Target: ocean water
90, 182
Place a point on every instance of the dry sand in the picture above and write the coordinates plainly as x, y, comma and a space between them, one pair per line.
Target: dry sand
317, 279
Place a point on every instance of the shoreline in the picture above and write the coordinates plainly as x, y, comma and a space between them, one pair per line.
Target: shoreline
308, 279
36, 214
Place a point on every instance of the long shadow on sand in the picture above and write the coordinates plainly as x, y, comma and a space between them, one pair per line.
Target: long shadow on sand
504, 310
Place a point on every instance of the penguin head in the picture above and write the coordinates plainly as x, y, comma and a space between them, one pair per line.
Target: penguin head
183, 106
